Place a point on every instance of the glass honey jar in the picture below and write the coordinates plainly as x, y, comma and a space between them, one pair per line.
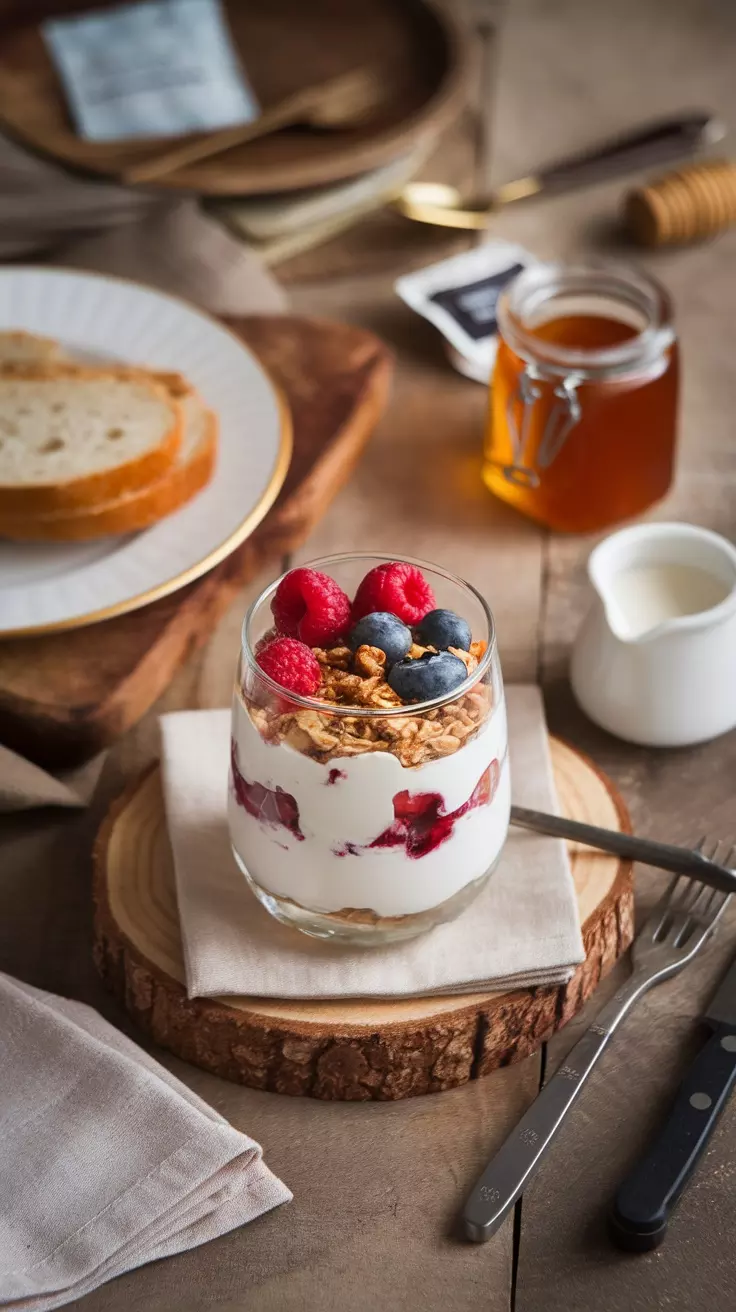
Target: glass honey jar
583, 403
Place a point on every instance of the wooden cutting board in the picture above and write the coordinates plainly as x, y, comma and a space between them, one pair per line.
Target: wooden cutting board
64, 696
415, 49
353, 1049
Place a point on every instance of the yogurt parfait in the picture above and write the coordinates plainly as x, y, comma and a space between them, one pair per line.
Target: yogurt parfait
369, 790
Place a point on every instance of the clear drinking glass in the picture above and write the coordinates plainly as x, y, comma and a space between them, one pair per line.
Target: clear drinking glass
369, 823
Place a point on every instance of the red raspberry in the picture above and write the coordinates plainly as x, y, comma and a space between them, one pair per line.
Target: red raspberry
292, 665
396, 587
311, 606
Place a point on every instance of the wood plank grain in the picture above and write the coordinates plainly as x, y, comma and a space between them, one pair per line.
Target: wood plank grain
551, 101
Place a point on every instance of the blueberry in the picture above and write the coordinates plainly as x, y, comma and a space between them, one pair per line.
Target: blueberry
443, 629
384, 630
432, 675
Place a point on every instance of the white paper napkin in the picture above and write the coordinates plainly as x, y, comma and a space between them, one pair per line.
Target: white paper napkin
107, 1160
522, 930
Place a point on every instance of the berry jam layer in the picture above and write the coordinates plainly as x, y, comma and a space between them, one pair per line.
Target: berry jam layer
368, 832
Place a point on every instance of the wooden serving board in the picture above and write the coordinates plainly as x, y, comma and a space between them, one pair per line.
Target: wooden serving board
353, 1049
415, 49
66, 695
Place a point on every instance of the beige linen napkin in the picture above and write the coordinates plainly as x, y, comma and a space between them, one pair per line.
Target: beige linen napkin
24, 786
522, 929
107, 1161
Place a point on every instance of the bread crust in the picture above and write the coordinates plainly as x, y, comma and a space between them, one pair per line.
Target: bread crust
89, 490
17, 345
128, 513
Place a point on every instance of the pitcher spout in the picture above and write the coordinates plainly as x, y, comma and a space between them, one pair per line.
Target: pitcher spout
655, 580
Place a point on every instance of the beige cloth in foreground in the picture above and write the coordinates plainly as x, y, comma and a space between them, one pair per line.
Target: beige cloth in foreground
521, 930
107, 1160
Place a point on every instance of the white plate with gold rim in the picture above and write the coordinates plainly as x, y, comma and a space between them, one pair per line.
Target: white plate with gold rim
52, 587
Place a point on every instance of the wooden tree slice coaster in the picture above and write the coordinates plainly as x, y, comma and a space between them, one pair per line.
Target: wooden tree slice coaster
353, 1049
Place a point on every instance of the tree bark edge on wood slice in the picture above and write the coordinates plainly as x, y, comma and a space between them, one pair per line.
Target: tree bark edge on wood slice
356, 1050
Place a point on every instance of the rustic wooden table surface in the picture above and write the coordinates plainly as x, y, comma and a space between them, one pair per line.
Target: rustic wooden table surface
376, 1185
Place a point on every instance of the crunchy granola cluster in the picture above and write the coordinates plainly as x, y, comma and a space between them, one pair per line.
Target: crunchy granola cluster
359, 680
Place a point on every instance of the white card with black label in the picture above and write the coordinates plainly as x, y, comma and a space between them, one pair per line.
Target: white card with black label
161, 68
460, 296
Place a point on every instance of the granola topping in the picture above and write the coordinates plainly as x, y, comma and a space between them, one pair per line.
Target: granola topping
359, 680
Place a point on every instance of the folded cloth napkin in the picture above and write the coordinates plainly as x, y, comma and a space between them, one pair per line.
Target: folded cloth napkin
172, 244
24, 786
521, 930
107, 1161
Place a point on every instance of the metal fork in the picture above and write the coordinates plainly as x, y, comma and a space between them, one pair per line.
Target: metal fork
677, 928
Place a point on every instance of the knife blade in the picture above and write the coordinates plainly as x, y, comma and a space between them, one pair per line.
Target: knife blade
644, 1202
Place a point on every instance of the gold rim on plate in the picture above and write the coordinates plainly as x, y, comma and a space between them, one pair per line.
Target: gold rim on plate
244, 529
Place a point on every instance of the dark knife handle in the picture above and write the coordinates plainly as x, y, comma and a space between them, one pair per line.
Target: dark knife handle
658, 143
644, 1201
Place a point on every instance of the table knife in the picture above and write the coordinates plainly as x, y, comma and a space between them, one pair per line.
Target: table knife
656, 143
645, 1200
663, 856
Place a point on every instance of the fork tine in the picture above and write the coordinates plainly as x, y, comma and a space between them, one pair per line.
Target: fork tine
690, 896
720, 905
694, 917
701, 903
709, 913
709, 906
654, 921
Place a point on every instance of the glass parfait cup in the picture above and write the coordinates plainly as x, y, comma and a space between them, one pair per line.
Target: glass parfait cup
356, 819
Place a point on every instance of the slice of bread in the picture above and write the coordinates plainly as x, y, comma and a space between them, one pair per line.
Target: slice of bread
190, 472
22, 346
71, 437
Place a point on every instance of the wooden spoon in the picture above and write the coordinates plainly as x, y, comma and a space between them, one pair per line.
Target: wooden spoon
337, 103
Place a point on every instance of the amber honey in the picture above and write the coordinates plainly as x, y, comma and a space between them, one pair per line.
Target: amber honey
583, 407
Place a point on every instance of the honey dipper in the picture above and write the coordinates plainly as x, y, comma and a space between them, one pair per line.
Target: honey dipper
683, 205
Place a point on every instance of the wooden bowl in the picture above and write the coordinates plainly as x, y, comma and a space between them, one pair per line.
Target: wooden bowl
418, 45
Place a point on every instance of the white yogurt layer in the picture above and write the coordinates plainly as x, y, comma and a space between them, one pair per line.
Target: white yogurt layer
355, 810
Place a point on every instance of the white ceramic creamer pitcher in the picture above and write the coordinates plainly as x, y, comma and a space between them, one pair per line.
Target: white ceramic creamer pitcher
655, 659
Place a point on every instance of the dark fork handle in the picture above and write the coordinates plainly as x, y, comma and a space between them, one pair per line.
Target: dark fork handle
646, 1198
658, 143
663, 856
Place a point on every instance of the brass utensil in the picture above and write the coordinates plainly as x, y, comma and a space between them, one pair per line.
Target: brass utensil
667, 139
683, 206
337, 103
